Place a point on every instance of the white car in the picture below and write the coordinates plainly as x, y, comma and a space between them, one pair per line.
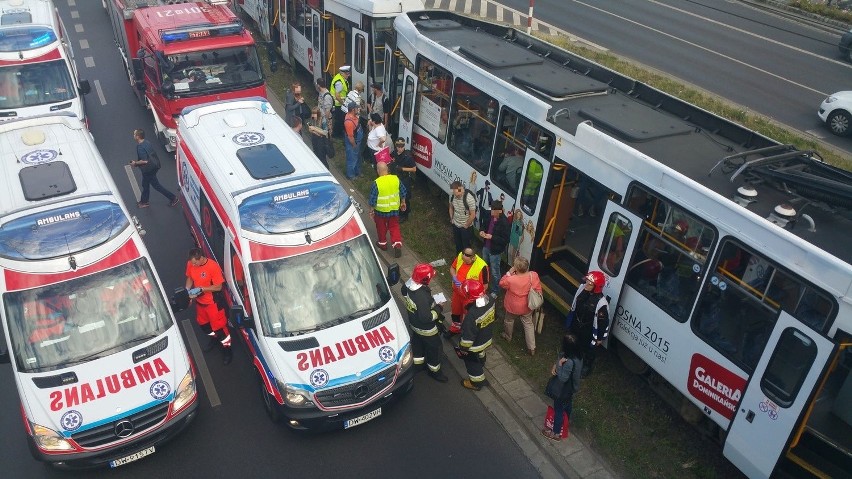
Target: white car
836, 112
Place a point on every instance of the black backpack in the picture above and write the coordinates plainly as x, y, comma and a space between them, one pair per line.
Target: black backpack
464, 199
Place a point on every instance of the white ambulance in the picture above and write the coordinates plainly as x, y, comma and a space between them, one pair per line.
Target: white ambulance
307, 292
101, 370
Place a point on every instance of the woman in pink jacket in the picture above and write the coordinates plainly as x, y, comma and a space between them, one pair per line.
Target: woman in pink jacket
517, 282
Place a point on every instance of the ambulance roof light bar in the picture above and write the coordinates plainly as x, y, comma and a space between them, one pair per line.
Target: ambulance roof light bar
233, 27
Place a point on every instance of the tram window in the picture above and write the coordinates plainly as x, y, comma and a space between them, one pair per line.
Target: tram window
672, 251
360, 53
788, 367
408, 100
532, 186
514, 136
612, 250
741, 302
473, 121
315, 23
433, 98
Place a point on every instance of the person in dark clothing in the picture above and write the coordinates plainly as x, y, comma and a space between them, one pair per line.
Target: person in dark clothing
496, 239
589, 317
424, 316
149, 164
319, 136
476, 333
567, 369
405, 168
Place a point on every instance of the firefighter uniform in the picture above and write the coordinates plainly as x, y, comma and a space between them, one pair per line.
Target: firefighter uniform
423, 316
476, 336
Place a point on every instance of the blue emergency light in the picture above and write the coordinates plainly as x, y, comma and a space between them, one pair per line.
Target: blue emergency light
14, 39
201, 31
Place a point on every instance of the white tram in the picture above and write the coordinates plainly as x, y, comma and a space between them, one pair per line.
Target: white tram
726, 253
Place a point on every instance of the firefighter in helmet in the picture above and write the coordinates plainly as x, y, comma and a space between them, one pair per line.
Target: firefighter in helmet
590, 317
476, 332
424, 316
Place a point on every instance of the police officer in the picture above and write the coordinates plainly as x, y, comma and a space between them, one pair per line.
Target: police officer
590, 313
424, 316
339, 88
476, 333
404, 166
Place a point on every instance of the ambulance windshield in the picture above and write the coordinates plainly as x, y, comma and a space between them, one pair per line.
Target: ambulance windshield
207, 71
33, 84
320, 289
83, 319
294, 208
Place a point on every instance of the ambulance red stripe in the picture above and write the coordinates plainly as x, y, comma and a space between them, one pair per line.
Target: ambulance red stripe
262, 252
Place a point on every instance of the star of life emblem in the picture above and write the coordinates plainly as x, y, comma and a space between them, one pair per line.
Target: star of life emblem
39, 156
71, 420
319, 378
387, 354
160, 389
248, 138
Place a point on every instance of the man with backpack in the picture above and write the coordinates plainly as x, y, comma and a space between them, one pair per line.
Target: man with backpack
149, 164
462, 214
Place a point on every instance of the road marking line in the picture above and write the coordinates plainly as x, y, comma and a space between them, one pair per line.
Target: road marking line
84, 44
100, 92
693, 44
137, 193
201, 364
72, 3
452, 6
89, 61
78, 27
468, 7
75, 14
483, 9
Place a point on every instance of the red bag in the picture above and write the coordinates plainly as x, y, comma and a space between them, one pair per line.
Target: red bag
548, 421
383, 155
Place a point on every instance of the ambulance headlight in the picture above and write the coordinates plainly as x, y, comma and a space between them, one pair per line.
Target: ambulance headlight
185, 392
49, 440
294, 397
406, 359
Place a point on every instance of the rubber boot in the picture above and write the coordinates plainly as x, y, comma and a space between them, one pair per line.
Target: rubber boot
438, 376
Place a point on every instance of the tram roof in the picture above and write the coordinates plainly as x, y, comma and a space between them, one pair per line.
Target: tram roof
565, 90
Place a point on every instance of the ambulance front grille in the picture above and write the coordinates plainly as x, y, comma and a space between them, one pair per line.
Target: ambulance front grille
108, 433
357, 392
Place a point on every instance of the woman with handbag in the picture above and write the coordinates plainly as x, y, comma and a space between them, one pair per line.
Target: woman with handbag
519, 282
565, 381
377, 139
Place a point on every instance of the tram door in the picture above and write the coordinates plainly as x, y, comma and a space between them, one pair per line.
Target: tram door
360, 54
779, 390
283, 31
406, 110
615, 242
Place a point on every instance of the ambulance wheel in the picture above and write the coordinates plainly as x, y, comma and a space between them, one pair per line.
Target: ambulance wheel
269, 402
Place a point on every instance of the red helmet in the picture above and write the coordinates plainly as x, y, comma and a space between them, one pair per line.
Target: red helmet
423, 273
597, 279
472, 290
682, 226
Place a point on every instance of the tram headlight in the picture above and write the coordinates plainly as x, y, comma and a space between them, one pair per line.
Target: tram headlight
49, 440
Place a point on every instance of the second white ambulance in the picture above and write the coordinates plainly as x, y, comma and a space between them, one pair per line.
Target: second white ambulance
327, 340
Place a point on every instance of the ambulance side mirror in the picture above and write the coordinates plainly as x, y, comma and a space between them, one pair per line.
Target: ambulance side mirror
393, 274
179, 300
85, 88
4, 357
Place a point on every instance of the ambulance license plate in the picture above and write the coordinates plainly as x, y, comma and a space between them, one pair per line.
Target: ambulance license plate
362, 419
133, 457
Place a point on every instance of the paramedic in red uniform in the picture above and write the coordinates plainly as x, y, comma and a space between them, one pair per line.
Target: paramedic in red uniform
203, 278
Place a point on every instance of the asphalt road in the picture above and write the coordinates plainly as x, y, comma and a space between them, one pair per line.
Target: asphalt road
772, 65
439, 430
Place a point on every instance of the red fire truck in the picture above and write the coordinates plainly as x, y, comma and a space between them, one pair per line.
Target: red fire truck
183, 54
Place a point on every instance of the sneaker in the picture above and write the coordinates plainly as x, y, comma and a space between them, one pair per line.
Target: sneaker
438, 376
550, 435
506, 337
174, 202
227, 356
470, 385
142, 205
397, 251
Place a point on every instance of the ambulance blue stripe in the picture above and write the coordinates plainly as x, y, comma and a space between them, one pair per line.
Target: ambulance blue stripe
118, 416
355, 377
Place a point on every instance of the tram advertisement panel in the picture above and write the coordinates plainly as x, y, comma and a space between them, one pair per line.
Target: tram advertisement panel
715, 386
